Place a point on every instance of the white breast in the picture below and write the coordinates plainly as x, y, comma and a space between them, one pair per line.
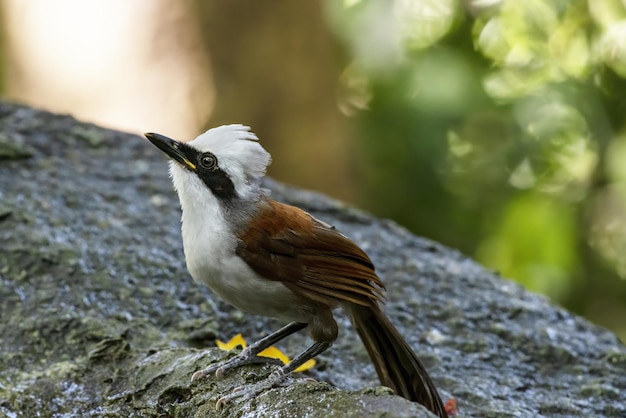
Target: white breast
210, 245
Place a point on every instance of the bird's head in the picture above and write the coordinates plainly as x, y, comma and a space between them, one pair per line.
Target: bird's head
228, 162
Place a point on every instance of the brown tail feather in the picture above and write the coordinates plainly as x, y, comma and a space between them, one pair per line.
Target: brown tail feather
396, 364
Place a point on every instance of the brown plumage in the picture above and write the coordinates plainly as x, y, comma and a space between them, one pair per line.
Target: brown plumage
316, 262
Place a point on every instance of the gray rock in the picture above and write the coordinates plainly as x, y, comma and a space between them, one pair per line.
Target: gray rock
98, 316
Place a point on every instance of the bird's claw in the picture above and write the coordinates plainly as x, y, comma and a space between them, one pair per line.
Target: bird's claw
217, 368
276, 378
239, 360
249, 391
200, 374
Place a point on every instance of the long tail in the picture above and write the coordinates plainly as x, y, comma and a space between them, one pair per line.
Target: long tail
396, 364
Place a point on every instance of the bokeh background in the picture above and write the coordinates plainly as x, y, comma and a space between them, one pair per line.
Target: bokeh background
496, 127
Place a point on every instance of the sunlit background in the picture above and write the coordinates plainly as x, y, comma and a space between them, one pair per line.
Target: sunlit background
495, 127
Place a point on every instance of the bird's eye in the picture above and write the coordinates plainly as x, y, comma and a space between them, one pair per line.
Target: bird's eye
208, 161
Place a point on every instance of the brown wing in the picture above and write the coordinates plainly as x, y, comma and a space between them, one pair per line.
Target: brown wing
309, 257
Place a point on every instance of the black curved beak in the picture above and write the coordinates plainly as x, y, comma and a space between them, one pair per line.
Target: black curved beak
173, 149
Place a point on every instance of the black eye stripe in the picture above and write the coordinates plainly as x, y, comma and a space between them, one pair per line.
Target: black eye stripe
219, 182
210, 173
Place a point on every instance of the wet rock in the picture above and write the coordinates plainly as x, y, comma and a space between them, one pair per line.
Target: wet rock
98, 316
13, 147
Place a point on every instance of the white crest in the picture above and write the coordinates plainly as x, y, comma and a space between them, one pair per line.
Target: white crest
238, 153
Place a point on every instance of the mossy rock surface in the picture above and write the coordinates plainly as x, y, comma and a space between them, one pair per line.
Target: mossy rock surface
98, 316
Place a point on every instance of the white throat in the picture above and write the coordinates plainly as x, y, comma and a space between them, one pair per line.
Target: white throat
210, 241
207, 235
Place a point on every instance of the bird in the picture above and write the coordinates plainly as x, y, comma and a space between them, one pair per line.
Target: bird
276, 260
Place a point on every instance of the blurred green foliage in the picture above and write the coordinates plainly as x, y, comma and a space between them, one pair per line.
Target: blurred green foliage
497, 127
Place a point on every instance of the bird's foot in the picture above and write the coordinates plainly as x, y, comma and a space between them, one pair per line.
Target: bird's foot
276, 378
245, 357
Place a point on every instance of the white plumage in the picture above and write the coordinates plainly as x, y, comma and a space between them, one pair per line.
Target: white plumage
208, 239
